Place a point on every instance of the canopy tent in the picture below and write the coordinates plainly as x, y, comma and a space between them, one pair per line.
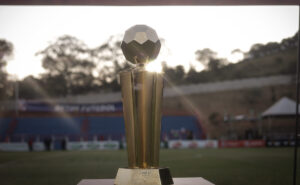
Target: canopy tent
283, 107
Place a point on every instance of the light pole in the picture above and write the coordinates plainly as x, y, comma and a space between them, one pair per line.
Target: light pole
16, 96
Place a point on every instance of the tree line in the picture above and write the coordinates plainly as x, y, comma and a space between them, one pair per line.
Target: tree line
72, 68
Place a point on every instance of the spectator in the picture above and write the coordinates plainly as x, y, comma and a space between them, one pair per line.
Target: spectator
30, 144
190, 135
47, 144
63, 144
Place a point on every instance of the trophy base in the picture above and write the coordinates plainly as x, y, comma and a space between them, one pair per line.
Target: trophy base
155, 176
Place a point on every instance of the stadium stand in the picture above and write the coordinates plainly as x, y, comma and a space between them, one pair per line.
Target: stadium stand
89, 128
48, 126
107, 127
4, 124
173, 124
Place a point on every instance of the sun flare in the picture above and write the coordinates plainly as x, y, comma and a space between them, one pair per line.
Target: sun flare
154, 66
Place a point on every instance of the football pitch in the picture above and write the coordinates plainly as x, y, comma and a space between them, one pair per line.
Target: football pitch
253, 166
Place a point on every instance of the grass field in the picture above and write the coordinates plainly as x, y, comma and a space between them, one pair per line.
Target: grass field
260, 166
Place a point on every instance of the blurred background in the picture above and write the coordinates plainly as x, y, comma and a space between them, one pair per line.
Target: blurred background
229, 96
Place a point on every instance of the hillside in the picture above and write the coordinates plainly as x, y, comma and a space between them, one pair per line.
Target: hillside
262, 60
279, 63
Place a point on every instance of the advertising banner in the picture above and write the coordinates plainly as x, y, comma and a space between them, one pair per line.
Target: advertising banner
14, 147
182, 144
241, 143
46, 107
93, 145
39, 146
173, 144
281, 143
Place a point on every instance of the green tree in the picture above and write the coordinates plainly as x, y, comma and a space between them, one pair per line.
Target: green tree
69, 65
192, 76
6, 52
215, 64
174, 74
208, 58
109, 61
204, 56
290, 42
31, 88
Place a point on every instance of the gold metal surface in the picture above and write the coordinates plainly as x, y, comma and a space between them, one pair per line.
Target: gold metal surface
142, 100
156, 118
142, 93
128, 113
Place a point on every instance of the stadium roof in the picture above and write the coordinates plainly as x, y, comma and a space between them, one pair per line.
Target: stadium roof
283, 107
182, 90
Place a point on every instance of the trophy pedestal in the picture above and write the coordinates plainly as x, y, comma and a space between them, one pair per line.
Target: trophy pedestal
158, 176
177, 181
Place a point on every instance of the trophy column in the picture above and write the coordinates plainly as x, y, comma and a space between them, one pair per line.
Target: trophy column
142, 100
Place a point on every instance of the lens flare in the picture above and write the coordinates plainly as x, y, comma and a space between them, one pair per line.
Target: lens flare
154, 66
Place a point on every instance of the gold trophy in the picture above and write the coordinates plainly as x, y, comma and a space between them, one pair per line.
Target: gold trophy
142, 92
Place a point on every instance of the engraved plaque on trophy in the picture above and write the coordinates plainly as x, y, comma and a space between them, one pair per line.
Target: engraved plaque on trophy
142, 92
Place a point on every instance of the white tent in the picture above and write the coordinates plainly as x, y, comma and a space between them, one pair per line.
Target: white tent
283, 107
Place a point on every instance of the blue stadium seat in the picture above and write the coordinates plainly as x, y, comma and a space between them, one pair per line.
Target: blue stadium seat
48, 126
4, 123
112, 127
188, 123
103, 127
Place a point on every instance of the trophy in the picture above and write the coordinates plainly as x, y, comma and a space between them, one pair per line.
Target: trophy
142, 92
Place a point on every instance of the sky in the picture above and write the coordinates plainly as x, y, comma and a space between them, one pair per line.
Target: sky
184, 28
